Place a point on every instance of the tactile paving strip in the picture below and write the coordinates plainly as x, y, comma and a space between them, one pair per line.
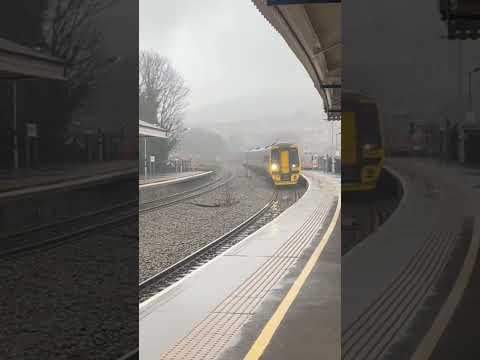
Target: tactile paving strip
210, 336
374, 331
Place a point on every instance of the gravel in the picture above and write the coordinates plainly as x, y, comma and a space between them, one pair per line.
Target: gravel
169, 234
75, 301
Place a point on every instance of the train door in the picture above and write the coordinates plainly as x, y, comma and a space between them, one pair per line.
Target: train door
284, 162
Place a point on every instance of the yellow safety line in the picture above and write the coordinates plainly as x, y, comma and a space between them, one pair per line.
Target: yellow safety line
271, 327
429, 342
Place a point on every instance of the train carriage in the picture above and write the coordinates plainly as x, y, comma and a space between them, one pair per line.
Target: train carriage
307, 160
310, 161
362, 143
280, 161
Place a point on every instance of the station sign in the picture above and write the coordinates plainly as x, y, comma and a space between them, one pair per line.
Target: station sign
31, 130
152, 158
300, 2
462, 18
459, 8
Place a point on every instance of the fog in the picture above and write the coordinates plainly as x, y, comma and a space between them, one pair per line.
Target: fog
246, 84
394, 51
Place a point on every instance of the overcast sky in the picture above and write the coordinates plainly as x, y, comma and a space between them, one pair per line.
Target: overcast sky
394, 51
226, 50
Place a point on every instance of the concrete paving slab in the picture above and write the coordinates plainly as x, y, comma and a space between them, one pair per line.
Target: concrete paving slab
172, 178
205, 311
22, 183
436, 201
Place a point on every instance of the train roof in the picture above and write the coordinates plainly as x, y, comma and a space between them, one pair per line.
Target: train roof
282, 143
278, 143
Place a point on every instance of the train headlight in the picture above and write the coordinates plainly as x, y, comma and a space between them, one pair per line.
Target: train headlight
274, 167
294, 166
370, 150
369, 173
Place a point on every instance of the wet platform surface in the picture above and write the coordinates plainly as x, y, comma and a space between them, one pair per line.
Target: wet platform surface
172, 178
26, 182
460, 338
390, 281
311, 326
218, 310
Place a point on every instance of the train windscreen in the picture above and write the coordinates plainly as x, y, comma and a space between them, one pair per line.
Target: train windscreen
293, 156
368, 125
275, 154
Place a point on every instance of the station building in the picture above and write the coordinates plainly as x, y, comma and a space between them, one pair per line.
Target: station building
151, 140
20, 133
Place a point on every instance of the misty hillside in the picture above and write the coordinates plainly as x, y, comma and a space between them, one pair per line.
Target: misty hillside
250, 122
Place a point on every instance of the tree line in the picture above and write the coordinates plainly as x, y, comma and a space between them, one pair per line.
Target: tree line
71, 30
162, 96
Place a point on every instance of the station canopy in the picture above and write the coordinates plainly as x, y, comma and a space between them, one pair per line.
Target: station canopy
312, 29
21, 62
462, 18
150, 130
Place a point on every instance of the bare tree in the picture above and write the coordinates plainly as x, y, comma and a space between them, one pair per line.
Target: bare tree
71, 34
162, 94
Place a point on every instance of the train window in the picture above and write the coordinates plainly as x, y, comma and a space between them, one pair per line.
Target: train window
293, 155
275, 156
368, 126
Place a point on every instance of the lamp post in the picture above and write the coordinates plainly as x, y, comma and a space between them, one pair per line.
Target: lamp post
15, 135
145, 154
336, 141
470, 100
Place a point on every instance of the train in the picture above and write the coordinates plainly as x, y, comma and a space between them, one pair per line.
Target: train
363, 152
310, 161
279, 161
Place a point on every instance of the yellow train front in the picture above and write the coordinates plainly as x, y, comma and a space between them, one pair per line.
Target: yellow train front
362, 143
279, 161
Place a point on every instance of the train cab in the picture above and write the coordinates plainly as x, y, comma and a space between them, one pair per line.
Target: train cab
279, 161
362, 143
284, 164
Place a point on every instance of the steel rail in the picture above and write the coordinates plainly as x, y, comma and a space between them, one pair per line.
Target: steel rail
186, 195
83, 229
217, 242
182, 192
36, 228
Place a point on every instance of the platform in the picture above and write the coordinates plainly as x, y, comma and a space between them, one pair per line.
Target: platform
219, 310
43, 196
173, 178
27, 182
390, 281
172, 183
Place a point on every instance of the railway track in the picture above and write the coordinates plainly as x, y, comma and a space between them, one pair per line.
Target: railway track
184, 195
175, 272
361, 217
131, 355
55, 233
364, 212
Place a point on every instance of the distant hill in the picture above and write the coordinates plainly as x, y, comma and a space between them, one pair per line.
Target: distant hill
249, 122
